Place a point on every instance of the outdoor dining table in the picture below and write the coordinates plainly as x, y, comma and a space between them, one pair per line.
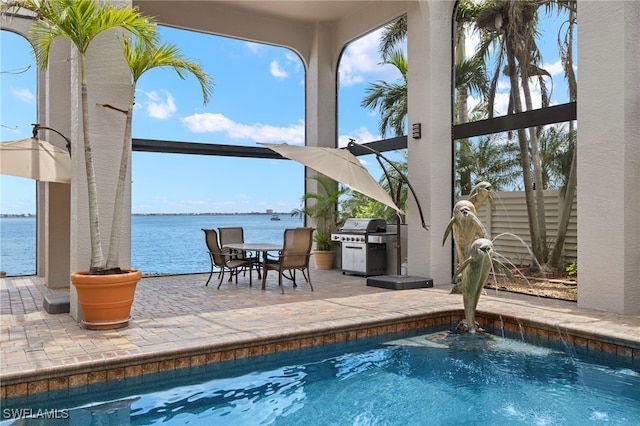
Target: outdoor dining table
263, 248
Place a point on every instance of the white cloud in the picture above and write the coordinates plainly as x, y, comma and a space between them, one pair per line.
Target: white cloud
503, 84
210, 123
276, 70
254, 47
361, 135
361, 61
501, 104
554, 69
472, 102
23, 94
159, 104
292, 57
471, 41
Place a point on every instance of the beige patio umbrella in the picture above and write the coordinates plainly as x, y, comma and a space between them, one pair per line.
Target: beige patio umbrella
338, 164
35, 158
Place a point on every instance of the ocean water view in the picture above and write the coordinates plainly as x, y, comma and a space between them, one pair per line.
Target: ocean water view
160, 244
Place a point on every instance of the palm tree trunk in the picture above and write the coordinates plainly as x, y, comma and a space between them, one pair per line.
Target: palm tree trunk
572, 182
463, 93
525, 160
567, 205
113, 258
462, 110
97, 257
537, 175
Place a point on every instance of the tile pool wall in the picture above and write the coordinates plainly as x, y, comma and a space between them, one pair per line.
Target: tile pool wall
582, 341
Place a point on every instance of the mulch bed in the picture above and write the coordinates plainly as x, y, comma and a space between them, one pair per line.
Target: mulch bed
551, 284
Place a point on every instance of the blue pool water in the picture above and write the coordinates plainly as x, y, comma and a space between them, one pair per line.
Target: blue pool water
435, 379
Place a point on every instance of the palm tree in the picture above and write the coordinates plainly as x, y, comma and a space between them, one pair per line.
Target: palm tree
566, 56
141, 57
487, 160
322, 208
512, 25
358, 205
392, 35
470, 73
390, 98
80, 21
556, 153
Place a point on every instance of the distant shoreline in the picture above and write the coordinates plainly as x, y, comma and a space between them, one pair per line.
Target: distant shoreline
27, 215
209, 214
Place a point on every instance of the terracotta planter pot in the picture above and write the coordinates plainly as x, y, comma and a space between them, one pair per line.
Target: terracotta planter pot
323, 259
106, 299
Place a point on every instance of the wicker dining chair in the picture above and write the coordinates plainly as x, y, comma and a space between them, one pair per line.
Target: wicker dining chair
294, 256
221, 259
231, 235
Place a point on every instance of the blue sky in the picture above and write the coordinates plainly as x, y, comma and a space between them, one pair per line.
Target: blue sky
258, 97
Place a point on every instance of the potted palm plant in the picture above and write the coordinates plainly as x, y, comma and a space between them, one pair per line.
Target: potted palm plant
105, 290
321, 207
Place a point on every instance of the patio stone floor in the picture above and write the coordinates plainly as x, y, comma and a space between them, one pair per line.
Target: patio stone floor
178, 322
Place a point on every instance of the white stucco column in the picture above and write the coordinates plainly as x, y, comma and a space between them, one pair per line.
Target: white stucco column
609, 156
109, 83
320, 100
430, 161
52, 199
54, 110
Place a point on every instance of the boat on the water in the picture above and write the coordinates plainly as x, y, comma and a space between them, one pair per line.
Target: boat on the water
275, 217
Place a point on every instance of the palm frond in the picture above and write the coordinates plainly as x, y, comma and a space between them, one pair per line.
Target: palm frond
142, 56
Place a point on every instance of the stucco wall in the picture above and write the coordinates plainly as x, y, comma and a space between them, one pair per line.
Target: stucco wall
609, 156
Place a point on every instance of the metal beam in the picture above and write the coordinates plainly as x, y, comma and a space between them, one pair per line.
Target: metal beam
195, 148
383, 145
538, 117
172, 147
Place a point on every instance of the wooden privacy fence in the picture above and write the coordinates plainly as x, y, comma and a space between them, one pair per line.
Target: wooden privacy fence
510, 217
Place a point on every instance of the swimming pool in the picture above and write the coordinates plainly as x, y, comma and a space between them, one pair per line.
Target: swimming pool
399, 379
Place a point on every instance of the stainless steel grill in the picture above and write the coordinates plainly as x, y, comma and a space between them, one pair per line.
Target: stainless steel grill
364, 246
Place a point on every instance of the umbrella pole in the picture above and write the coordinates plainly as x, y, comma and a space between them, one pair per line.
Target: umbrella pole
397, 282
403, 179
399, 246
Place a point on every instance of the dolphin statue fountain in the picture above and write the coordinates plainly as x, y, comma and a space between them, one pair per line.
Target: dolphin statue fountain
481, 192
474, 251
473, 273
465, 227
